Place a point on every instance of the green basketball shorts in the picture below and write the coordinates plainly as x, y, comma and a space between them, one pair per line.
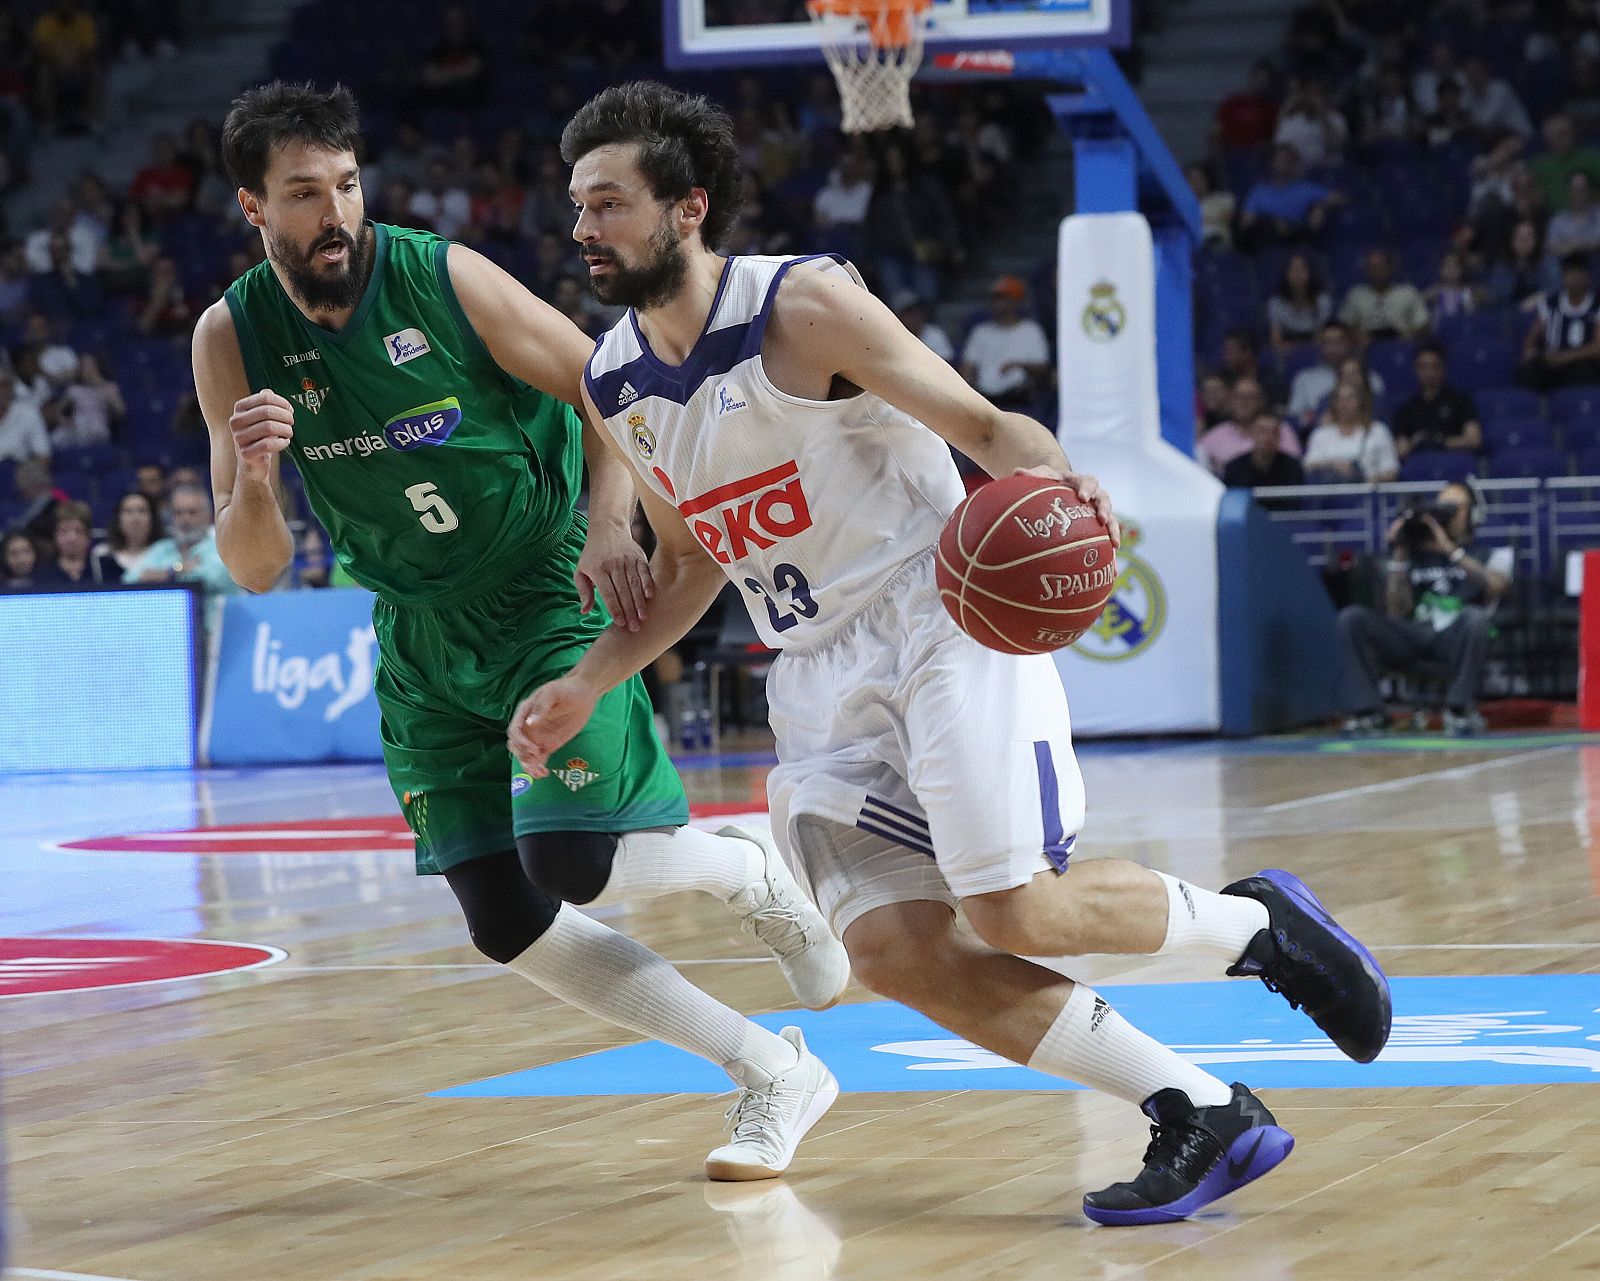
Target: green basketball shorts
449, 678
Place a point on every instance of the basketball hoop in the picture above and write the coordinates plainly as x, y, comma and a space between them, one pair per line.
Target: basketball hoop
873, 48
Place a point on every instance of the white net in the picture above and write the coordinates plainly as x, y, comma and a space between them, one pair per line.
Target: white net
873, 56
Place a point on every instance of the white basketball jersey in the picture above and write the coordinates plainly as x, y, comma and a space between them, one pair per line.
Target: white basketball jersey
808, 506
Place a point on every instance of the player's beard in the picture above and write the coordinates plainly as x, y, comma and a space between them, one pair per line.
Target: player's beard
655, 281
316, 287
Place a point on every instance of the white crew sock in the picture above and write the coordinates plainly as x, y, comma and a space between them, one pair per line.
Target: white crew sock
609, 975
1203, 921
1092, 1044
664, 860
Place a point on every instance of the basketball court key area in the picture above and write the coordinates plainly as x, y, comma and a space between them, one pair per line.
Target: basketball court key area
241, 1039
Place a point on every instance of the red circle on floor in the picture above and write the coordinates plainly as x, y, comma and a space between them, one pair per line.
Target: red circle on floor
33, 966
374, 833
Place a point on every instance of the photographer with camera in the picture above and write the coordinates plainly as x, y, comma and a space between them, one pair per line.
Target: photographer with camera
1439, 589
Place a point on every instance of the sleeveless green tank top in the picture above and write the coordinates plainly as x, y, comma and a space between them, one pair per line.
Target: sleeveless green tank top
438, 475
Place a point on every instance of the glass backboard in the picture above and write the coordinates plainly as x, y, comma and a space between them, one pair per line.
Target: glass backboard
733, 33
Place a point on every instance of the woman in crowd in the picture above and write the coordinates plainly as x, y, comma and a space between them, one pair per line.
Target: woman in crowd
1526, 273
1453, 294
1350, 446
19, 562
72, 563
134, 527
1299, 305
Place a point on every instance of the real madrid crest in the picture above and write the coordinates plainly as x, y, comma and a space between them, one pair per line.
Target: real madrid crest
644, 440
1104, 317
1137, 611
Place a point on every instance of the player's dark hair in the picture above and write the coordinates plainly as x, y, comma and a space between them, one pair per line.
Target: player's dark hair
265, 118
685, 141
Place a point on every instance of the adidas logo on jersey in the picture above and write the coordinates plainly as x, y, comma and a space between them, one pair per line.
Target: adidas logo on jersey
627, 395
748, 515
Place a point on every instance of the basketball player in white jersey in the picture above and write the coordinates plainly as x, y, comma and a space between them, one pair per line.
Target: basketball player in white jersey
786, 430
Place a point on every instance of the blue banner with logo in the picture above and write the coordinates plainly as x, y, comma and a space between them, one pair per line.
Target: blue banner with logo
291, 680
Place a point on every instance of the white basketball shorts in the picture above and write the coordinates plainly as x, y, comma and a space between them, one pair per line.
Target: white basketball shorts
957, 759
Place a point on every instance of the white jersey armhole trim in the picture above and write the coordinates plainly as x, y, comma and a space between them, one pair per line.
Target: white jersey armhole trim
769, 306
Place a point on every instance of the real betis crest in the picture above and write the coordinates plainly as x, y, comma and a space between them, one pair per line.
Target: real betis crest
312, 396
577, 774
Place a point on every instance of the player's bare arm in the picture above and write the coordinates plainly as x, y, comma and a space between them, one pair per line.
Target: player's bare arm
531, 340
686, 581
824, 327
248, 432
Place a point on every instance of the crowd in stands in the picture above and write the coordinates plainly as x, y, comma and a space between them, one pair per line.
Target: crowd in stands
98, 302
1401, 214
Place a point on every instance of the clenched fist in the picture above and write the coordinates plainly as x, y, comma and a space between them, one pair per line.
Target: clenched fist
262, 425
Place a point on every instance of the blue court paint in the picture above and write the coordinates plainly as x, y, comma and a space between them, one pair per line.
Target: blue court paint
1447, 1031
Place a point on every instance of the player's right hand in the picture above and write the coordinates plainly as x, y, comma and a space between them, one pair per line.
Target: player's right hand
262, 425
550, 716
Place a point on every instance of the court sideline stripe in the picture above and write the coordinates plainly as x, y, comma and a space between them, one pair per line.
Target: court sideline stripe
45, 1274
1401, 784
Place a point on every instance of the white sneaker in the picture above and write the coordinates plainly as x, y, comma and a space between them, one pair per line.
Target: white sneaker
776, 910
772, 1114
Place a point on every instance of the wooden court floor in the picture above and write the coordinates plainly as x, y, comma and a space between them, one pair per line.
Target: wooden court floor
280, 1124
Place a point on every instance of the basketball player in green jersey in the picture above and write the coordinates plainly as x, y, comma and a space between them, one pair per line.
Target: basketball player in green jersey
425, 397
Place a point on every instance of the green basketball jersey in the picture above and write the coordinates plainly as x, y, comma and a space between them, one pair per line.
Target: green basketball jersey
437, 474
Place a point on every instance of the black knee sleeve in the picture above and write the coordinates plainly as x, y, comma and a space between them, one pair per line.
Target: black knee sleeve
573, 866
505, 911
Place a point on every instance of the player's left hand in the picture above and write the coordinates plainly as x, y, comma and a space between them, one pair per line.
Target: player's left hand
615, 566
550, 716
1089, 490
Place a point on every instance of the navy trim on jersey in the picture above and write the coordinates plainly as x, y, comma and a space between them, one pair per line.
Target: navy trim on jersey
1057, 844
715, 353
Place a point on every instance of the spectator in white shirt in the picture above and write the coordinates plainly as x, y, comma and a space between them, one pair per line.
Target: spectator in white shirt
82, 241
1576, 229
22, 430
1310, 126
912, 310
1425, 84
844, 198
1007, 356
442, 205
1312, 387
87, 408
1350, 446
1492, 104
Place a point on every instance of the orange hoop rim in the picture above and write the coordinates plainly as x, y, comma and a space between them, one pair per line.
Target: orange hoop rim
890, 23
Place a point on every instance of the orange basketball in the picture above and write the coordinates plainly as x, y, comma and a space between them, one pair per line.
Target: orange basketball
1025, 566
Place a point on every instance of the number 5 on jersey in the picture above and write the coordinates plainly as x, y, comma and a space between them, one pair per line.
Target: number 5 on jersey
433, 511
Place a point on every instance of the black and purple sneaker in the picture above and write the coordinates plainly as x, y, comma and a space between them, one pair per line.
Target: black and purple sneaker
1196, 1155
1316, 965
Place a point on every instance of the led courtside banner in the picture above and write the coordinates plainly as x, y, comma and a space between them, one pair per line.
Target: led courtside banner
99, 680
